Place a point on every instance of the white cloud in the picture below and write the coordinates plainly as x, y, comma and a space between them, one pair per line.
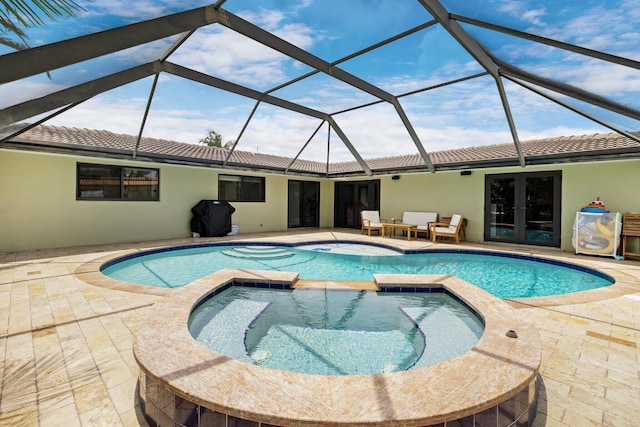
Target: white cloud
534, 16
438, 139
282, 134
268, 19
612, 81
297, 34
604, 78
520, 10
612, 30
228, 55
136, 10
14, 93
122, 116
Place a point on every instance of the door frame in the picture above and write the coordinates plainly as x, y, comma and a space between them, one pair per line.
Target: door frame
520, 207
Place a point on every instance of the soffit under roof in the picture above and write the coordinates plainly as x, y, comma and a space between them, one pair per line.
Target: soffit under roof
332, 81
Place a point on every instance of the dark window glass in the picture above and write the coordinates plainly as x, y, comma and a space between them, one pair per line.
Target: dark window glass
104, 182
237, 188
140, 184
229, 187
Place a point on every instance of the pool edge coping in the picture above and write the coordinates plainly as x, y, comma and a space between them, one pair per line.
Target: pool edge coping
416, 396
90, 273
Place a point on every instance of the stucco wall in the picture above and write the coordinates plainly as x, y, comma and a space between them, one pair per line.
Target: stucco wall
448, 192
38, 207
443, 192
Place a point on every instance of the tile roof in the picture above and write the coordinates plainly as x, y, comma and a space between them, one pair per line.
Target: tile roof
548, 150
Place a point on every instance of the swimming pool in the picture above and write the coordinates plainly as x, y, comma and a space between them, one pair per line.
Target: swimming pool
503, 275
335, 332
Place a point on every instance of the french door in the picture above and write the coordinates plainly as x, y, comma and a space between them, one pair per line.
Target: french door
303, 204
523, 208
351, 197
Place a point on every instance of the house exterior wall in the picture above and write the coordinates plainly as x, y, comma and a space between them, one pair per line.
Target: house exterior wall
449, 192
39, 210
443, 192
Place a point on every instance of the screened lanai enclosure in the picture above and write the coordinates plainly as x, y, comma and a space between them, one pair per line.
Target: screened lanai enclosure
330, 80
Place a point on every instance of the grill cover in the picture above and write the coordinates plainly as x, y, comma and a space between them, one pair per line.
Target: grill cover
212, 218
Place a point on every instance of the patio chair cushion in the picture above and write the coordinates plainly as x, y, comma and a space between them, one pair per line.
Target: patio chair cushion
372, 216
370, 220
420, 219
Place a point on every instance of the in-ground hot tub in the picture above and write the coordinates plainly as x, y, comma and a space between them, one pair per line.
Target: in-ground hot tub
335, 332
184, 383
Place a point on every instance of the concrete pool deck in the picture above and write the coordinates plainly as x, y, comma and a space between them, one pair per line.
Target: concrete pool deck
67, 344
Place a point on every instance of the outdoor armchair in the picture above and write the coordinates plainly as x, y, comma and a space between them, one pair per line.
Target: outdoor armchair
452, 230
370, 221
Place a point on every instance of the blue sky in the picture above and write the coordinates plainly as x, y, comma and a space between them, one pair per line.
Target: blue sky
461, 115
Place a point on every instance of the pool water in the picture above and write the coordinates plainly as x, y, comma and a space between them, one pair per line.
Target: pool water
348, 248
499, 274
335, 332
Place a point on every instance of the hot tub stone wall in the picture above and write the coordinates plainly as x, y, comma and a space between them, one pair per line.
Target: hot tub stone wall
162, 408
274, 397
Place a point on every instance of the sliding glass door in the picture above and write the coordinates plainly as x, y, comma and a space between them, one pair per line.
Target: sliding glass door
523, 208
304, 204
351, 197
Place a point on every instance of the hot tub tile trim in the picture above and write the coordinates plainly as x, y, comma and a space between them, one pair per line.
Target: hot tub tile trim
404, 388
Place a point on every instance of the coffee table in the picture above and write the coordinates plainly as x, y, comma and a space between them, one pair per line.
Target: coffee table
392, 227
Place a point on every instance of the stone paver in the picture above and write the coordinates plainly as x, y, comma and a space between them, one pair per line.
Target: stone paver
66, 359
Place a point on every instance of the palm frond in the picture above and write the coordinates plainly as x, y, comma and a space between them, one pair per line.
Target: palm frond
15, 14
13, 44
33, 13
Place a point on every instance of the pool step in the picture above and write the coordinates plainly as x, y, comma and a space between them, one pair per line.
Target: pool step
216, 333
259, 252
260, 249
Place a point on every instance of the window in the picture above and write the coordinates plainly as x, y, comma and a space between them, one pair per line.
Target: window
104, 182
237, 188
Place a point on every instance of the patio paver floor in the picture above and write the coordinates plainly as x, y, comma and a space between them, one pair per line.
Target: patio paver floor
66, 357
